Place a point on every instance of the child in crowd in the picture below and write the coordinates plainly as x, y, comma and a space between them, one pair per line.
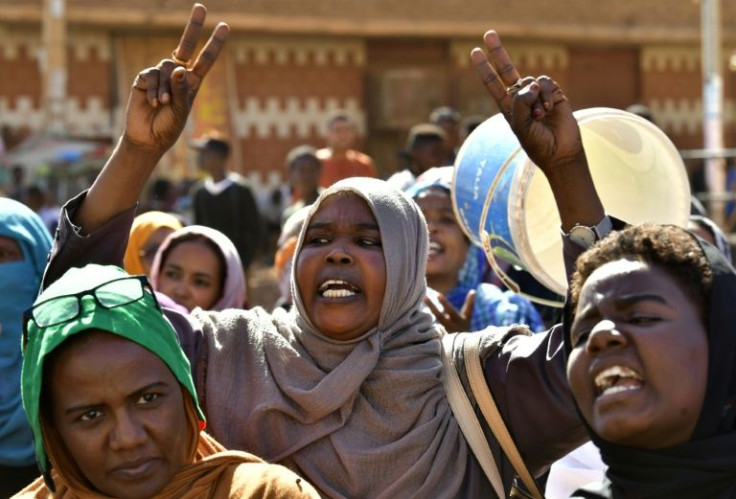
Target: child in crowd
339, 159
425, 148
304, 169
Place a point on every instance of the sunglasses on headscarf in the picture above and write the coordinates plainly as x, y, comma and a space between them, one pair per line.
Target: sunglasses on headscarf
109, 295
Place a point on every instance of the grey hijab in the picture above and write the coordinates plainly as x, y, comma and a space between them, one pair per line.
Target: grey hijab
364, 418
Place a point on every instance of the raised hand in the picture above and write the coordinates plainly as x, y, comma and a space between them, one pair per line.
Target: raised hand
162, 96
541, 117
453, 320
536, 108
158, 107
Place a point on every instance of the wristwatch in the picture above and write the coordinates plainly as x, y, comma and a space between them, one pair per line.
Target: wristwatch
585, 236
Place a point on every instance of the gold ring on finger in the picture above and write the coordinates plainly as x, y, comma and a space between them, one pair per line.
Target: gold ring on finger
174, 58
515, 87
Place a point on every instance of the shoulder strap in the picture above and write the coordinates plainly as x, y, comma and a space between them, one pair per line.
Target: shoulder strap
490, 411
466, 418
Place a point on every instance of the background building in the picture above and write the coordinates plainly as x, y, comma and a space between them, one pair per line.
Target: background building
288, 63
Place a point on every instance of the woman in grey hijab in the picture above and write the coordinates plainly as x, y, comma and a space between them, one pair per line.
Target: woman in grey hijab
346, 389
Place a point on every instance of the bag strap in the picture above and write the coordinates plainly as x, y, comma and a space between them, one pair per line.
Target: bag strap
466, 418
479, 387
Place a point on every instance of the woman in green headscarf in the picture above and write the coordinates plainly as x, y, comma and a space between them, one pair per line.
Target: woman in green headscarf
111, 402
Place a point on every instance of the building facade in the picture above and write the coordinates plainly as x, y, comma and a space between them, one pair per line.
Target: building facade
289, 63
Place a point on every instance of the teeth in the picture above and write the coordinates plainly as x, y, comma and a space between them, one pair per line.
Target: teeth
617, 389
337, 288
337, 293
607, 378
333, 282
435, 248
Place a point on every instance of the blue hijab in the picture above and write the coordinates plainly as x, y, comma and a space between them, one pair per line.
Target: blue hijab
19, 284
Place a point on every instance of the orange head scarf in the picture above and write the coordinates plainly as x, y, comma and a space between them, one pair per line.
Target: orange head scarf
143, 227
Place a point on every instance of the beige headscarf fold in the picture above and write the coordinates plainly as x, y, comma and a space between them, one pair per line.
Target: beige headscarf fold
214, 473
363, 418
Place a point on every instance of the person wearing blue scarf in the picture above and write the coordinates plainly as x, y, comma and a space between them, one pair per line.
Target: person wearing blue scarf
24, 245
459, 267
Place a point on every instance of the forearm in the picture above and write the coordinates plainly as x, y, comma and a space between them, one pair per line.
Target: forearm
72, 248
527, 379
575, 194
118, 186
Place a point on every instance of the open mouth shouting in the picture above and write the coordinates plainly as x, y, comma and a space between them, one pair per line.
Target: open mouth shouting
338, 288
617, 379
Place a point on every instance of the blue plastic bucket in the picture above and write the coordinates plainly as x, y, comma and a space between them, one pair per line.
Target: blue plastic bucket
504, 203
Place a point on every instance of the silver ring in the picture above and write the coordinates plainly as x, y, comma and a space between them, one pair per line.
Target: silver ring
515, 87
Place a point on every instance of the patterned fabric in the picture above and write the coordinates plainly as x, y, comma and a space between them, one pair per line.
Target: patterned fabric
493, 307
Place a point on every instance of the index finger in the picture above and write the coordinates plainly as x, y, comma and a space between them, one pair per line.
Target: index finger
450, 311
432, 307
192, 31
495, 70
500, 60
211, 50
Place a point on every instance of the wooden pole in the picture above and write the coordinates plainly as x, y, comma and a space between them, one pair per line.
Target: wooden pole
53, 66
715, 167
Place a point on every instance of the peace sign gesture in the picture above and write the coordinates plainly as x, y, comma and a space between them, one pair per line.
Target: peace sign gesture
541, 117
162, 96
536, 108
158, 107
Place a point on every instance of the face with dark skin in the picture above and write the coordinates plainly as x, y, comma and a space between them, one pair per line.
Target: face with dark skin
191, 275
305, 172
427, 154
119, 411
639, 363
452, 129
213, 162
341, 135
448, 246
341, 270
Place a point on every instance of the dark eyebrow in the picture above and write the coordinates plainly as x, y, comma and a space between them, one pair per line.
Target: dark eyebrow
628, 300
621, 302
327, 225
204, 274
86, 407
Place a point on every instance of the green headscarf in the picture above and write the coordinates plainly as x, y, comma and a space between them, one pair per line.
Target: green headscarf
140, 321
